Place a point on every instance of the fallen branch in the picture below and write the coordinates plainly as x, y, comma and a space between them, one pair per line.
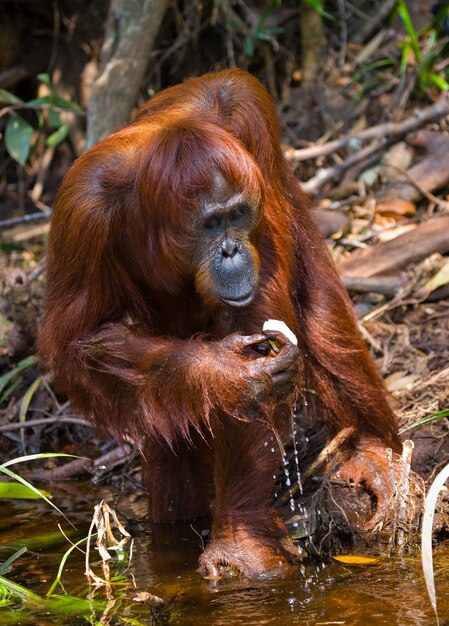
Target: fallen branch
111, 459
43, 421
314, 184
389, 256
386, 285
389, 129
30, 218
429, 174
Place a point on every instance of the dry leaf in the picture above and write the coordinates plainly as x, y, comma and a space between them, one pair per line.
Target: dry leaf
393, 378
395, 207
388, 235
441, 278
383, 221
350, 559
359, 125
400, 156
402, 383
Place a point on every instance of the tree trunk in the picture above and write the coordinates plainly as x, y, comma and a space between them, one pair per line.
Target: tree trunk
131, 30
312, 43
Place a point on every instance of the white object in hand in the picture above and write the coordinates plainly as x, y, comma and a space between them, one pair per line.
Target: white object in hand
281, 327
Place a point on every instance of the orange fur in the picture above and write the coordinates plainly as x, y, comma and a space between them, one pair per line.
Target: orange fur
135, 348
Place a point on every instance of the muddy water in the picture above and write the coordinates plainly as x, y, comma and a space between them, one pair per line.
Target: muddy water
164, 561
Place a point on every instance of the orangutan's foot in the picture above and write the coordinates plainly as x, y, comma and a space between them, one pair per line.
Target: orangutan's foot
237, 552
369, 469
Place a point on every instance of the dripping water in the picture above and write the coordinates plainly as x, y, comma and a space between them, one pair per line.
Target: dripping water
295, 446
286, 463
285, 466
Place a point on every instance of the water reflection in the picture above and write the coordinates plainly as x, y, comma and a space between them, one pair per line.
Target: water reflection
165, 559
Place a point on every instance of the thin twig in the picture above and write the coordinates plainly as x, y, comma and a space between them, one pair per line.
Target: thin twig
111, 459
25, 219
43, 421
367, 28
322, 458
314, 184
442, 204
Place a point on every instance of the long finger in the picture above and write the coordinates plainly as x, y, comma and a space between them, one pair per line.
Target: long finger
237, 341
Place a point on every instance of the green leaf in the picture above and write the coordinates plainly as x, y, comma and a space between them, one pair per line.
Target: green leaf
37, 542
23, 365
71, 606
262, 35
25, 403
36, 103
18, 135
55, 101
6, 97
316, 4
58, 136
62, 103
17, 491
29, 486
249, 46
30, 457
319, 8
54, 118
44, 78
439, 82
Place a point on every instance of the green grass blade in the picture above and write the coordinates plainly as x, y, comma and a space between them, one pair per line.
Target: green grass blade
15, 476
28, 396
426, 420
7, 565
20, 367
36, 457
439, 82
319, 8
21, 592
18, 491
411, 32
25, 403
62, 565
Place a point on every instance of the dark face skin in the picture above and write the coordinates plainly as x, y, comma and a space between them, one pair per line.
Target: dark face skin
224, 254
